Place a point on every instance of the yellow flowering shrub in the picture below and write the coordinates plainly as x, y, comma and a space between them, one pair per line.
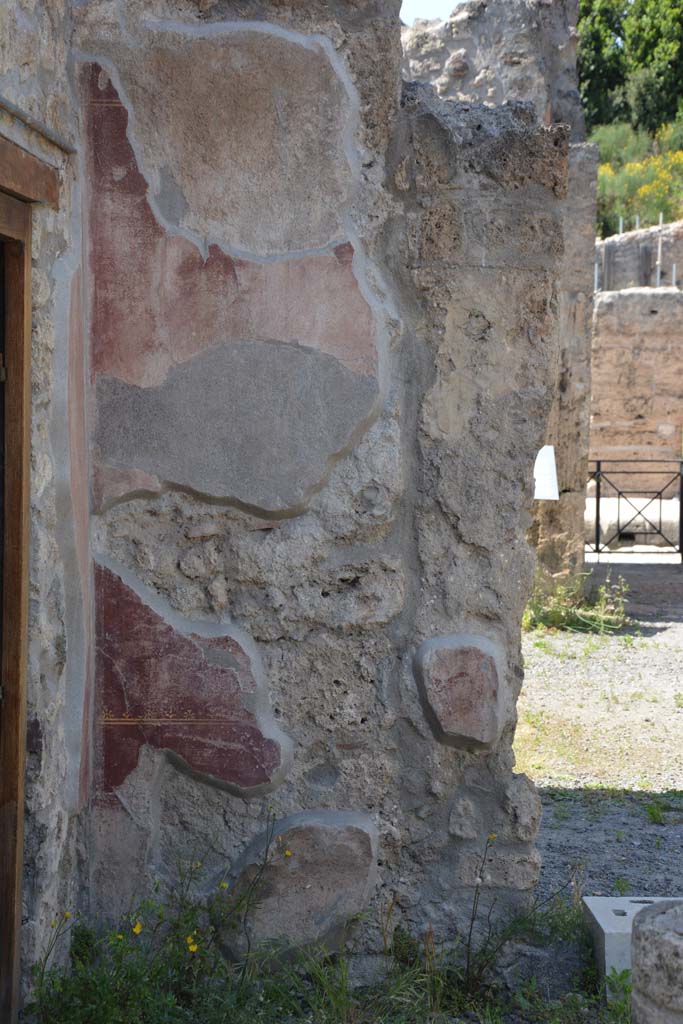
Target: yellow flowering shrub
641, 188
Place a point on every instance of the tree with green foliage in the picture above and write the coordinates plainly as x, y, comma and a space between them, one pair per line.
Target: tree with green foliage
631, 61
602, 64
653, 47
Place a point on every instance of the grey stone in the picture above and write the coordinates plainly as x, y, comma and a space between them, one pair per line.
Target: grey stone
657, 959
315, 872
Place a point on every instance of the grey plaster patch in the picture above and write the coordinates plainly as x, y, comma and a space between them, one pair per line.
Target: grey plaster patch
253, 422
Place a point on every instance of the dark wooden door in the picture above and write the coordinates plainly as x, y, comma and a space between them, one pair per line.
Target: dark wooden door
15, 339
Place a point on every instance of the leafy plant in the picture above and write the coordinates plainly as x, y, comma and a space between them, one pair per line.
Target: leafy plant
569, 604
162, 964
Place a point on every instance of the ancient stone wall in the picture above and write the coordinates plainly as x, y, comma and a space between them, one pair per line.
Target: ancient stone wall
637, 411
557, 533
493, 51
630, 260
317, 323
33, 76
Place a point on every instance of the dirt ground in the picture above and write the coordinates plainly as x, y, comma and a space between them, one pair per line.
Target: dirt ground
601, 733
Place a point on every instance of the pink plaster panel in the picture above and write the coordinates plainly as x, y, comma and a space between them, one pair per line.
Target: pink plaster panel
157, 302
186, 694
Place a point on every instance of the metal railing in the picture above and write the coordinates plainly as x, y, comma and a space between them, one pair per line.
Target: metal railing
668, 486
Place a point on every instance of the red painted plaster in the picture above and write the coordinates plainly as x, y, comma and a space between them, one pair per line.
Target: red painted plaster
185, 694
157, 302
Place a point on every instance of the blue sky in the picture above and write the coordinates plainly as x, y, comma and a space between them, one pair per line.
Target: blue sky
426, 9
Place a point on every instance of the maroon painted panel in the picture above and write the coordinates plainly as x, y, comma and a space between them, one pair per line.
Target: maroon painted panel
186, 694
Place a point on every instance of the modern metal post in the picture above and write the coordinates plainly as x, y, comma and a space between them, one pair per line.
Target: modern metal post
598, 466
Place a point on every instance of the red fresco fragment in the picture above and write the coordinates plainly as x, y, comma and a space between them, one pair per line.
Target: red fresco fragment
157, 302
462, 688
184, 694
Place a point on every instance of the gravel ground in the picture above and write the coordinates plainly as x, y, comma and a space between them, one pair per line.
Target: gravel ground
601, 733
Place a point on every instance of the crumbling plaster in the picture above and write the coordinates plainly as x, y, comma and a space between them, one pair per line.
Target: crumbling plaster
295, 590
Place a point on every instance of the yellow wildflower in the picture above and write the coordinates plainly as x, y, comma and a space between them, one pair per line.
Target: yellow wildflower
492, 836
53, 924
222, 885
137, 928
67, 915
193, 948
119, 937
288, 853
189, 940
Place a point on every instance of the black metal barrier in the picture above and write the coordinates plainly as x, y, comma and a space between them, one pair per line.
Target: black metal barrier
668, 486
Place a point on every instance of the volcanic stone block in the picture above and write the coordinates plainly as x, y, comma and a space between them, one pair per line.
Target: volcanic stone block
657, 956
460, 681
319, 872
196, 697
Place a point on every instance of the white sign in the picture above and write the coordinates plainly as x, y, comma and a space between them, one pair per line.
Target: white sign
545, 475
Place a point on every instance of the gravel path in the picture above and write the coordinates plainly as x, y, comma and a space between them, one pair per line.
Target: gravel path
601, 733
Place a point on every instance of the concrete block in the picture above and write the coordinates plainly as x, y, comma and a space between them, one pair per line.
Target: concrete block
610, 920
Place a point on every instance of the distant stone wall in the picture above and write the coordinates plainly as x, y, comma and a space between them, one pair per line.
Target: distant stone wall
494, 51
637, 402
630, 260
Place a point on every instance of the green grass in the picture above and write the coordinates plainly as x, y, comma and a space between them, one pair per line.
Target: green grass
163, 964
573, 604
655, 812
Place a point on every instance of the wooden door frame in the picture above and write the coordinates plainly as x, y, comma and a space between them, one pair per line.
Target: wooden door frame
23, 180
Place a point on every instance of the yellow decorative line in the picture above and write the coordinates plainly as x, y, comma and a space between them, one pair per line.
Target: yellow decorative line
171, 721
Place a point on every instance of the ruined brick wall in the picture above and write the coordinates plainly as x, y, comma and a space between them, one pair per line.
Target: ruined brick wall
630, 260
637, 376
494, 51
318, 326
34, 39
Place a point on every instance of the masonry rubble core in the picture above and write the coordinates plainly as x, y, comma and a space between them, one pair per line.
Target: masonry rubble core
526, 50
295, 350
